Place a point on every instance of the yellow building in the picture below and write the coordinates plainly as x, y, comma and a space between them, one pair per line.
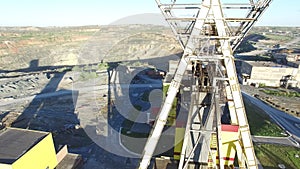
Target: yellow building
26, 149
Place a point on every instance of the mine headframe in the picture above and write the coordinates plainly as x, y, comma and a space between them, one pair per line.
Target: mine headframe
209, 31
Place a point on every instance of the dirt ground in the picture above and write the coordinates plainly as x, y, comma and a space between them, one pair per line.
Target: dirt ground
286, 104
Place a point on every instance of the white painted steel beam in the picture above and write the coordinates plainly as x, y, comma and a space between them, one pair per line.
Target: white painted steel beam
197, 34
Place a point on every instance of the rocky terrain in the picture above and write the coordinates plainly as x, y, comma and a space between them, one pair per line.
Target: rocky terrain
78, 45
29, 56
56, 79
289, 105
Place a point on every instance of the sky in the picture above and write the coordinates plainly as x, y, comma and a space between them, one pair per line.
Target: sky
103, 12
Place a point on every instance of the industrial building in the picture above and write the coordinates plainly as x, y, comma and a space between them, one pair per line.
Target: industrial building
26, 149
29, 149
268, 73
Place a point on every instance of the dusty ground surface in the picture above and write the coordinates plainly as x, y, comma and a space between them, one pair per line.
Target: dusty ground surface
72, 110
47, 82
34, 47
286, 104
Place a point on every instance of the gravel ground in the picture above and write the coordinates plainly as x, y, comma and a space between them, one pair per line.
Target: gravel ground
286, 104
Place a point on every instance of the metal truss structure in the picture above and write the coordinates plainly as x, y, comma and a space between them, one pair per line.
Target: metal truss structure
209, 31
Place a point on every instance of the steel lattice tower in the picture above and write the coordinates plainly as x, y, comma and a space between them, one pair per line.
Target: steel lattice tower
209, 31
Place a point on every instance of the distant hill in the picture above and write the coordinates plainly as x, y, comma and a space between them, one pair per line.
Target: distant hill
143, 19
